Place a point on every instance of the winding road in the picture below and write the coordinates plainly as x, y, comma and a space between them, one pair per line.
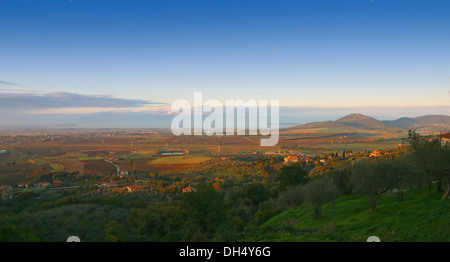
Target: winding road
118, 169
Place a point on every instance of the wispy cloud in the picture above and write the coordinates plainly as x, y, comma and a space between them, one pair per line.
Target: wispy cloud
10, 87
35, 101
5, 83
10, 90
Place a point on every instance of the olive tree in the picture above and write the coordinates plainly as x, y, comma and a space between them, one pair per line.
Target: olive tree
319, 191
375, 179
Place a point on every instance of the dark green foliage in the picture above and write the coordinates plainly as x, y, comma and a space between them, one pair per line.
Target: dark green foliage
291, 197
9, 233
27, 195
158, 222
292, 175
205, 207
256, 192
266, 210
341, 177
115, 231
87, 221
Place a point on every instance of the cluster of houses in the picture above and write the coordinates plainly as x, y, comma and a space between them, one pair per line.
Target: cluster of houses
135, 188
375, 153
131, 188
291, 159
294, 159
41, 185
279, 153
109, 184
7, 194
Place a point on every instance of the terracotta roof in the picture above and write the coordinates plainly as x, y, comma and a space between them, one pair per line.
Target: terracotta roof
187, 189
291, 158
447, 135
135, 188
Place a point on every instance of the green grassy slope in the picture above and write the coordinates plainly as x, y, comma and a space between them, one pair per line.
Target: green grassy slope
420, 217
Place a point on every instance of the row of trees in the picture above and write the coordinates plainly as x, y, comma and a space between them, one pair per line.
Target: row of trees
431, 158
422, 162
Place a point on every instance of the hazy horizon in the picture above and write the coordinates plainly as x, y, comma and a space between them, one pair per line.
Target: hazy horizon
111, 119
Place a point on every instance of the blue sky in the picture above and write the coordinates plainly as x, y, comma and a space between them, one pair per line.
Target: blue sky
312, 53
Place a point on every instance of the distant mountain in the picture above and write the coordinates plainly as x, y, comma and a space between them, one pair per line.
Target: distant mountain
421, 121
348, 121
321, 124
367, 122
361, 121
432, 120
404, 122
